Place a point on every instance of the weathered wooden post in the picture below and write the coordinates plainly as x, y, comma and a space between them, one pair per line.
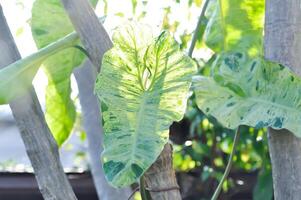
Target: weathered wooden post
283, 45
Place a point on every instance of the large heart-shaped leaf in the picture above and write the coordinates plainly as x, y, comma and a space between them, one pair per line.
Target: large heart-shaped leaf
253, 92
17, 77
50, 22
235, 24
143, 86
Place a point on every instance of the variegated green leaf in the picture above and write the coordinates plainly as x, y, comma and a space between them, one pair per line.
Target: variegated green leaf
251, 91
235, 25
143, 86
50, 22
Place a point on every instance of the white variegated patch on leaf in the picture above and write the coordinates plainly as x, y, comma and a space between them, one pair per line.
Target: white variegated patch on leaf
143, 86
250, 91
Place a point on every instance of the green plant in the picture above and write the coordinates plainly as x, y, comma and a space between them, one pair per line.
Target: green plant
144, 86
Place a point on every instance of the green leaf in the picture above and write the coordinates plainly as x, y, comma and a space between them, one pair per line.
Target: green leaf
235, 24
17, 77
143, 86
264, 187
50, 22
251, 91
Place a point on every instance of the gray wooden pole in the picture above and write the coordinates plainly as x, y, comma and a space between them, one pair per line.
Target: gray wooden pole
85, 78
91, 32
40, 145
283, 45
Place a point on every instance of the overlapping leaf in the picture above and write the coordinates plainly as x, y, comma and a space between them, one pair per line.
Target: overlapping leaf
50, 22
143, 87
253, 92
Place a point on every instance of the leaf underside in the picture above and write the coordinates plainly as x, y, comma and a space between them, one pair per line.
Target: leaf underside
143, 86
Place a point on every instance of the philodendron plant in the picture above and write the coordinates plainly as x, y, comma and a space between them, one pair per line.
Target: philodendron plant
143, 87
145, 81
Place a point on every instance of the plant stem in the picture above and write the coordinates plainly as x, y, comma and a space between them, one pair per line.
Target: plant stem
142, 189
197, 29
229, 165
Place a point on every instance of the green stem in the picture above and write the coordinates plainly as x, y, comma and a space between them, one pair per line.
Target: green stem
63, 43
228, 168
198, 28
35, 59
142, 189
24, 70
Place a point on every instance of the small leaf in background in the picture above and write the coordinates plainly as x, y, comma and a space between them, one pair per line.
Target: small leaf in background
50, 22
143, 86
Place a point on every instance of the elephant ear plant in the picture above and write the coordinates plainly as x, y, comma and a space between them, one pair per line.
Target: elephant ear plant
145, 82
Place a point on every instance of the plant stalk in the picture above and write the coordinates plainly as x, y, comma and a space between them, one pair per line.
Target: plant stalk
198, 27
142, 189
229, 165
